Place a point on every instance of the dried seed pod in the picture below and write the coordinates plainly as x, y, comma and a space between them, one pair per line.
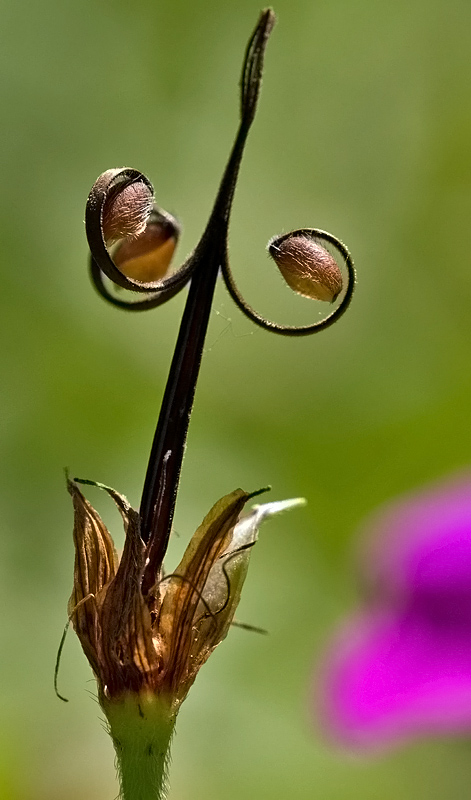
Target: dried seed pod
307, 267
144, 238
126, 211
147, 256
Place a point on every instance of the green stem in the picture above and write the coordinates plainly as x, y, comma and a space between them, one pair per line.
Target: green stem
141, 727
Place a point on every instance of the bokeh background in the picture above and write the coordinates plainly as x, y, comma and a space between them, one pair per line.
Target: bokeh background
364, 129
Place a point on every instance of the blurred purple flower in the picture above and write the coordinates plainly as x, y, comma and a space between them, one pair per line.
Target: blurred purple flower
402, 666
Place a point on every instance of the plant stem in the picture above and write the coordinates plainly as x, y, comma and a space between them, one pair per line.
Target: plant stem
141, 727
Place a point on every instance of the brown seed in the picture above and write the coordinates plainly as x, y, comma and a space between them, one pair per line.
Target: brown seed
307, 267
147, 257
126, 211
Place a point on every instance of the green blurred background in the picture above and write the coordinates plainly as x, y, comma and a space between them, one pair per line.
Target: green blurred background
364, 129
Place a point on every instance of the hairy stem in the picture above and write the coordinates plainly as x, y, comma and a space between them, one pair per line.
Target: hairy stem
141, 728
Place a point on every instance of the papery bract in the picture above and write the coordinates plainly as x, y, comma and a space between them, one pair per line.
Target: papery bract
155, 643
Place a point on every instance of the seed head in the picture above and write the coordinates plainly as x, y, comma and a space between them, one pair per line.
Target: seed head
126, 211
307, 267
147, 256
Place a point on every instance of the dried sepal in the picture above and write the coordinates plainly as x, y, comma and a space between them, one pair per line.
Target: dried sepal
307, 267
204, 592
114, 624
128, 653
96, 563
182, 598
156, 642
223, 587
